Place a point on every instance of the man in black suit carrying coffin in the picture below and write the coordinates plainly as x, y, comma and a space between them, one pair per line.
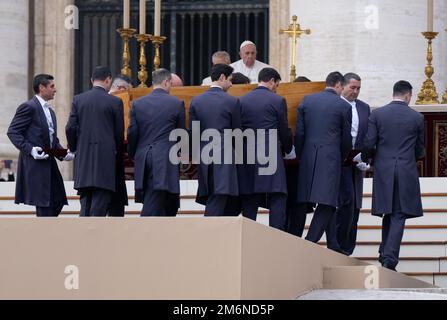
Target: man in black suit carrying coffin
33, 129
323, 140
95, 131
395, 140
262, 109
152, 119
216, 111
342, 231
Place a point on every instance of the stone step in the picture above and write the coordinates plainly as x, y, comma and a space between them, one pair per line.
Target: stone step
413, 264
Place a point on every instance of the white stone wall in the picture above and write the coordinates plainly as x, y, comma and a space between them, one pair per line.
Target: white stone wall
13, 66
345, 38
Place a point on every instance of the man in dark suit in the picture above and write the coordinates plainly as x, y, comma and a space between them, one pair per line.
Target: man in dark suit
263, 109
395, 140
119, 198
95, 130
215, 111
341, 234
152, 119
323, 140
33, 128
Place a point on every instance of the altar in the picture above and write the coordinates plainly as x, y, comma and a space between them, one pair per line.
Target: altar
435, 162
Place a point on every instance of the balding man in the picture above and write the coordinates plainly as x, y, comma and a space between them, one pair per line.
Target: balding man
219, 57
176, 80
248, 65
120, 83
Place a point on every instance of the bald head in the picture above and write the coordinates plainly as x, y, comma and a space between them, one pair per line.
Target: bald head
248, 53
176, 81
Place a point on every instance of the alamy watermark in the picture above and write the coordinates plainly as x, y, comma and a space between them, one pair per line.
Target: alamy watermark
72, 277
238, 147
71, 17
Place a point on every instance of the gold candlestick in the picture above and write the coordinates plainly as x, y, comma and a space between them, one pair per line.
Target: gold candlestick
157, 41
142, 74
444, 97
126, 34
428, 94
294, 32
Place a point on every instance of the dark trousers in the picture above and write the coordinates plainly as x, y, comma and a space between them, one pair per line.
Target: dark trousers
219, 205
157, 203
160, 204
49, 211
95, 202
277, 206
393, 226
321, 219
117, 207
296, 219
341, 233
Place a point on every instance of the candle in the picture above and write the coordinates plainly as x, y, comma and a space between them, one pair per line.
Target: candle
126, 14
430, 16
157, 17
142, 16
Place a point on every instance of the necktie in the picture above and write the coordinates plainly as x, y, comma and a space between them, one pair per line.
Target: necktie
49, 122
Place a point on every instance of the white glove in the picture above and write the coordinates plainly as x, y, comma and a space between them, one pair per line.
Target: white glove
291, 155
70, 156
362, 166
358, 158
38, 156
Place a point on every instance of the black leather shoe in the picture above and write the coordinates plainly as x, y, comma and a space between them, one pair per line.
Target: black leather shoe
385, 265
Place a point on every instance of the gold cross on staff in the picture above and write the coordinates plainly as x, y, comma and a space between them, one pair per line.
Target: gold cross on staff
294, 32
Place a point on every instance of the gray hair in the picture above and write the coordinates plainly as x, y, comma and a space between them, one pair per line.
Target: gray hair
121, 81
352, 76
160, 75
222, 55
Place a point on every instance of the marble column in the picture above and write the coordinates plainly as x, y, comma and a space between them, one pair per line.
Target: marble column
279, 45
14, 19
54, 54
380, 40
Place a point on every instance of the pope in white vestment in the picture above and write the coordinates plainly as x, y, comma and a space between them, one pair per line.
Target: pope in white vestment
248, 65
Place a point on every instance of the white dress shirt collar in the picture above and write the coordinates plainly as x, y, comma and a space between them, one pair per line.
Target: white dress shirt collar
42, 102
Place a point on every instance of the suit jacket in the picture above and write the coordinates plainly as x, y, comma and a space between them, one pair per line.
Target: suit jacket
264, 109
395, 140
215, 109
323, 140
35, 178
152, 119
95, 131
352, 182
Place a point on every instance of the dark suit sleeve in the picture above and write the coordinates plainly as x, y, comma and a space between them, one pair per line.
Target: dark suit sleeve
71, 129
284, 133
299, 133
119, 127
420, 142
132, 134
18, 126
370, 139
346, 133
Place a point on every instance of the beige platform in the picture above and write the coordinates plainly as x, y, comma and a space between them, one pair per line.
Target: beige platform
165, 258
